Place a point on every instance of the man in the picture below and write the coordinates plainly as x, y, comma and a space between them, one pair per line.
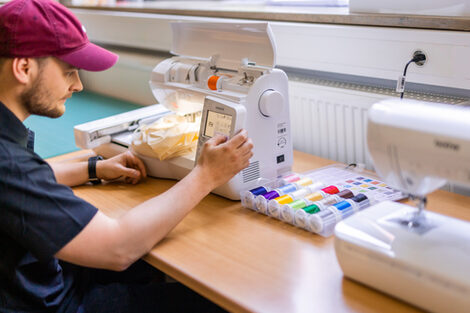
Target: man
49, 239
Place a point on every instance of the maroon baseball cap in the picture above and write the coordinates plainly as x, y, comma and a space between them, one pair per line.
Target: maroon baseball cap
42, 28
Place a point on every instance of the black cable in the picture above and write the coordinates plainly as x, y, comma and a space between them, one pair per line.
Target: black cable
417, 58
404, 76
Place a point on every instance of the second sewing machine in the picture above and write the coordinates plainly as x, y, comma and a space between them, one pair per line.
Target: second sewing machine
222, 78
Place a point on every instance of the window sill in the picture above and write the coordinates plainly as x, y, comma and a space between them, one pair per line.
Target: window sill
322, 15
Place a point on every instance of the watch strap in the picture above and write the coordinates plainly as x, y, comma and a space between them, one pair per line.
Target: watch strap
92, 169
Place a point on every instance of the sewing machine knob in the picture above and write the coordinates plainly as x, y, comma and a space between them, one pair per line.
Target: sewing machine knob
271, 103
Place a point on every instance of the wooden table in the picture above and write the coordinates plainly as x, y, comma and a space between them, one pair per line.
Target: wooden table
247, 262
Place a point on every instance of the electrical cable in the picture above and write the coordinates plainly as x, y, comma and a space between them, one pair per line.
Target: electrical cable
419, 57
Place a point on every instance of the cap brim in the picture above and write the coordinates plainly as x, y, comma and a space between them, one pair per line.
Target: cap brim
90, 58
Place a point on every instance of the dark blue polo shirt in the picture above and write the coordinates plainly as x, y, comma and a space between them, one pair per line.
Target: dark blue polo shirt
38, 216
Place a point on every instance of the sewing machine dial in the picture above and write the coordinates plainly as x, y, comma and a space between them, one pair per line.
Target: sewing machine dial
271, 103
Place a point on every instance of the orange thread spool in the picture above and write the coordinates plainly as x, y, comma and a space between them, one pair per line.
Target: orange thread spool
212, 82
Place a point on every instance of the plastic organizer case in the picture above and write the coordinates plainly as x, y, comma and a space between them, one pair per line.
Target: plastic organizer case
317, 200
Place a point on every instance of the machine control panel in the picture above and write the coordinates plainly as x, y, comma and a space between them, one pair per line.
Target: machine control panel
219, 117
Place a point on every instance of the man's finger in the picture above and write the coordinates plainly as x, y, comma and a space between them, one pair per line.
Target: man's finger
217, 140
138, 164
246, 147
238, 139
130, 172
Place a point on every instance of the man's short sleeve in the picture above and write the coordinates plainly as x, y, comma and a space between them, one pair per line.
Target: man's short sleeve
41, 214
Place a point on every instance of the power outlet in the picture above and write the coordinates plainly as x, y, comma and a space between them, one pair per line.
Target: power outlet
422, 62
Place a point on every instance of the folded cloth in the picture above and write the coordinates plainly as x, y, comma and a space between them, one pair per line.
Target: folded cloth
166, 138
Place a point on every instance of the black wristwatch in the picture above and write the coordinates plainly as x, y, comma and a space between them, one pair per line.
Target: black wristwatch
92, 178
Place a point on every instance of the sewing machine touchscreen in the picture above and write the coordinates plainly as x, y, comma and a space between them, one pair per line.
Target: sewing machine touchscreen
217, 123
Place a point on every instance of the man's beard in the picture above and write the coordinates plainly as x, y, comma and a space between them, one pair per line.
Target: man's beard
37, 100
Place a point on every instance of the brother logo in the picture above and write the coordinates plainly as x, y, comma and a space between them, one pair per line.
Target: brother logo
446, 145
219, 108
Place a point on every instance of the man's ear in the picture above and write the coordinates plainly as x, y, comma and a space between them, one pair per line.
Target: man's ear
23, 69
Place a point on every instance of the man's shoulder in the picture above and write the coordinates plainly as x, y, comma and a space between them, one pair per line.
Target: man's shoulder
15, 157
8, 149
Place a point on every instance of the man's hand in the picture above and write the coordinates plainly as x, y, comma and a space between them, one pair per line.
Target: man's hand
220, 159
125, 165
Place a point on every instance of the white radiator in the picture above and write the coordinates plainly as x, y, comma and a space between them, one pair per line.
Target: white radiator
329, 118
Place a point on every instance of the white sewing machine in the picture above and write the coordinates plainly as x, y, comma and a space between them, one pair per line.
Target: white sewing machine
227, 71
418, 256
